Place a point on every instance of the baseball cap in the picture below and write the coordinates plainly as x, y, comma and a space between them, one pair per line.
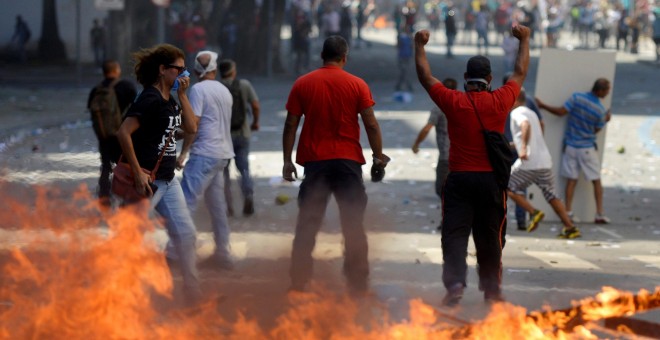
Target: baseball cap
478, 67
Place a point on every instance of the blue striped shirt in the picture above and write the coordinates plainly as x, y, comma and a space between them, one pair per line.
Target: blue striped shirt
586, 115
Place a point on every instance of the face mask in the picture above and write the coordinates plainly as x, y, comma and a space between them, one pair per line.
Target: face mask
185, 73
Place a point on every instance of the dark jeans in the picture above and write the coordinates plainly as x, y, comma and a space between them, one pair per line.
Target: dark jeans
472, 202
343, 178
110, 152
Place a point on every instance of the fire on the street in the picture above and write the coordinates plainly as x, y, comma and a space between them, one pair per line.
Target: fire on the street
66, 275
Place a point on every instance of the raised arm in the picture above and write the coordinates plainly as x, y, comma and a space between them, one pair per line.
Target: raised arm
522, 59
421, 63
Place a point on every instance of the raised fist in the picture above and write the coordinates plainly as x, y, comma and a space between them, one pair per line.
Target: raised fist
520, 32
422, 37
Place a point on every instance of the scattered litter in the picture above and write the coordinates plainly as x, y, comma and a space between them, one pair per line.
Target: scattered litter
518, 270
621, 149
594, 244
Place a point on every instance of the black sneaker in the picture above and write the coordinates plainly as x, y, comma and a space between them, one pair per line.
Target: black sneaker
454, 295
214, 264
248, 207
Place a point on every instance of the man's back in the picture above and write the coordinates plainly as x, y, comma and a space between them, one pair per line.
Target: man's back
537, 151
586, 116
212, 102
330, 99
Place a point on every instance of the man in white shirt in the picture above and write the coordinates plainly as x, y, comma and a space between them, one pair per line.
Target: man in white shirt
210, 151
534, 166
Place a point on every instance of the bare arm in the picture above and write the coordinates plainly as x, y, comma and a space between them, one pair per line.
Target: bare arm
421, 136
555, 110
256, 110
126, 129
373, 133
288, 140
522, 59
526, 132
421, 62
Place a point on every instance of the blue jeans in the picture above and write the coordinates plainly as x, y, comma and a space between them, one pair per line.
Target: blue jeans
204, 176
242, 150
170, 203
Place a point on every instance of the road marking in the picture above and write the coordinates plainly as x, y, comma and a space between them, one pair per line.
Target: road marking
608, 232
650, 260
561, 260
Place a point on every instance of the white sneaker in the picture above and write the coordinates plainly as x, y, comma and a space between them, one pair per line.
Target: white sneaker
574, 219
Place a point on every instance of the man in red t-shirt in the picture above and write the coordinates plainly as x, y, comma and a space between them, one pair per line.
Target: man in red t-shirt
472, 201
329, 150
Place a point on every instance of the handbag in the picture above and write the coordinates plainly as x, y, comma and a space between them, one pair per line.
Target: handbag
499, 152
123, 183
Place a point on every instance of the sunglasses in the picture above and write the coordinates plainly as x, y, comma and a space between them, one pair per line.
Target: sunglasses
178, 68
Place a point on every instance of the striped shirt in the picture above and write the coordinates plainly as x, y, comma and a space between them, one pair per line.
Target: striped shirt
586, 115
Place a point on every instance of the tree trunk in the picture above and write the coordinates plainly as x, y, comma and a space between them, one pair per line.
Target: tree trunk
51, 47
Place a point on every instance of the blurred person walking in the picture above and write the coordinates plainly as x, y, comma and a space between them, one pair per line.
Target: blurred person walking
329, 149
107, 103
210, 151
473, 200
245, 101
19, 39
586, 117
438, 120
146, 133
97, 40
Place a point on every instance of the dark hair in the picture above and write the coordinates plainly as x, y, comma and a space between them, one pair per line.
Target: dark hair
225, 67
600, 84
334, 48
109, 66
478, 67
450, 83
148, 61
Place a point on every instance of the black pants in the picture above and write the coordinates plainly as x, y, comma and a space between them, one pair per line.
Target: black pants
110, 152
472, 202
343, 178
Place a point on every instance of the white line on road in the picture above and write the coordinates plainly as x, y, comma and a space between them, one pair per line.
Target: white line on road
650, 260
608, 232
561, 260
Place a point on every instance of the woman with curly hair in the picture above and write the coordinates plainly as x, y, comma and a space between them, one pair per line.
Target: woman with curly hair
147, 132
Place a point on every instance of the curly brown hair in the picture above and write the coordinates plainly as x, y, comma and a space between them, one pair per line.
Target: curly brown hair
148, 61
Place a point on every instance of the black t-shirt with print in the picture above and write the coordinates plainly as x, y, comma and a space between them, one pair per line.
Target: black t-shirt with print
157, 117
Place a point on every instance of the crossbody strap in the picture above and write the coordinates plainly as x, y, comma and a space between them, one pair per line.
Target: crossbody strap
476, 112
152, 173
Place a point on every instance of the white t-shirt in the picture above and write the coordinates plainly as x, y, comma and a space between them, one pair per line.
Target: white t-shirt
212, 101
537, 151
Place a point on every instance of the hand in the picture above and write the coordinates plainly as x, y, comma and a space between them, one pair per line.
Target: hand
184, 83
540, 103
180, 161
254, 126
142, 184
288, 170
520, 32
422, 37
608, 116
523, 153
378, 168
415, 148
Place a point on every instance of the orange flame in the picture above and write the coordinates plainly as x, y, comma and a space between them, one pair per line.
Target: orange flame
75, 272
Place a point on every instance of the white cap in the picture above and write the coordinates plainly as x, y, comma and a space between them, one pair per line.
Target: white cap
212, 66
